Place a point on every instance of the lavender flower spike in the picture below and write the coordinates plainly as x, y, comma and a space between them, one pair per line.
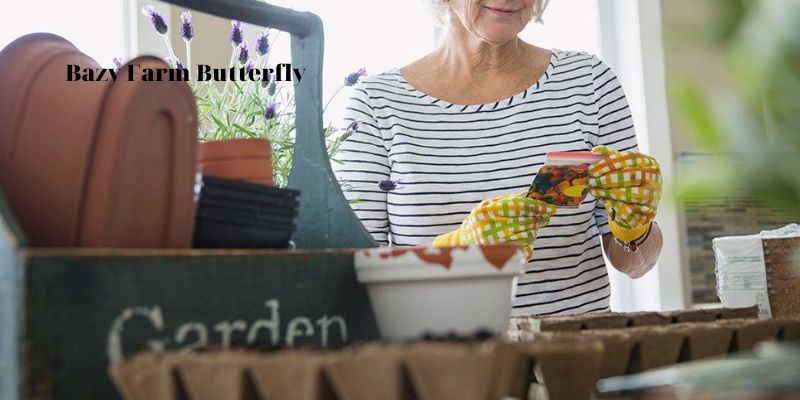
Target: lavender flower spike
351, 129
266, 81
272, 88
250, 65
187, 29
353, 126
236, 33
354, 77
244, 53
118, 62
270, 110
155, 17
262, 44
174, 61
389, 185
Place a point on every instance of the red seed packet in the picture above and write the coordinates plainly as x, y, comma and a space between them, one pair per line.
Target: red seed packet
563, 180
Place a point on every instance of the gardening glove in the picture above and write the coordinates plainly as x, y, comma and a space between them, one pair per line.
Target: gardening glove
510, 219
629, 186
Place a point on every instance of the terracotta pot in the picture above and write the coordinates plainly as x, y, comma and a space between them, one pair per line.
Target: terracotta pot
233, 148
243, 159
48, 130
94, 163
237, 168
19, 61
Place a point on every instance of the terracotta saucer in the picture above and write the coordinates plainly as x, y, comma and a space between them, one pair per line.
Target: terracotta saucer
140, 189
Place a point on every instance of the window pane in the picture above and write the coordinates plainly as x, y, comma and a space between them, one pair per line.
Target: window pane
94, 26
568, 25
375, 34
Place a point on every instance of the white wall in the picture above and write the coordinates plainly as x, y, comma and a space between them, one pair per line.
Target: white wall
96, 27
568, 25
375, 34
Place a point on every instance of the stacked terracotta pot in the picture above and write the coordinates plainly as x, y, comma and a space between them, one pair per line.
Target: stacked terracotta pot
102, 164
241, 159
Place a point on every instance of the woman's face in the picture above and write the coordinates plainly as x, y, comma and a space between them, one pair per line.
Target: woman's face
495, 21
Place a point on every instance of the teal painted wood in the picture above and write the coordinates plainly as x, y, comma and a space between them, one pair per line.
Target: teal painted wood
11, 304
325, 219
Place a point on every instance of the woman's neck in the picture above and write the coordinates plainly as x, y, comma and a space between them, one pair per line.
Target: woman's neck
462, 53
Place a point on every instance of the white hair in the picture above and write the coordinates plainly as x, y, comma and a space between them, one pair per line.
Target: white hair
441, 10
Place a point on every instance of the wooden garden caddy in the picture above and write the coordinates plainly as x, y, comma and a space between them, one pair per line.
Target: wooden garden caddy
67, 313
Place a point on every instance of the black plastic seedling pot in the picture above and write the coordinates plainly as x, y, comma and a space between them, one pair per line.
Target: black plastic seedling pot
238, 214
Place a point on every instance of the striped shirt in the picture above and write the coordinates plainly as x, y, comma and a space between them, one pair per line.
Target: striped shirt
445, 158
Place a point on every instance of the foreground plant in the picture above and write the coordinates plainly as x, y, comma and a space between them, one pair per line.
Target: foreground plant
754, 126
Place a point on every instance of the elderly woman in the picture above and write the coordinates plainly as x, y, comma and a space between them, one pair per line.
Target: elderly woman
441, 149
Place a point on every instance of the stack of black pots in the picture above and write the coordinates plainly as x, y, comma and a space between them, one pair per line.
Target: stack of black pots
238, 214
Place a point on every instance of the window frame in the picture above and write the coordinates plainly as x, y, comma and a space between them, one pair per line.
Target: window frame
631, 42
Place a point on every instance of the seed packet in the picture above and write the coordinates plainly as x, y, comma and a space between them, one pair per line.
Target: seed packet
563, 180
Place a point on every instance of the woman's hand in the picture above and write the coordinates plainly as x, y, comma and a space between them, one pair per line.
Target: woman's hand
512, 219
629, 186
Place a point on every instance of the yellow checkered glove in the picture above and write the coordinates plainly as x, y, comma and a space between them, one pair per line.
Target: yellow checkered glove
510, 219
629, 186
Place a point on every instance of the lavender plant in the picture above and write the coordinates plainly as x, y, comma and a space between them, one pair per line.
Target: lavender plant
248, 109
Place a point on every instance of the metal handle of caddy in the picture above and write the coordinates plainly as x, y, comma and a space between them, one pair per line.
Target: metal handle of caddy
325, 219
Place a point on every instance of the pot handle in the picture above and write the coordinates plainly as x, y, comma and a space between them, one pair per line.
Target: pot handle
325, 219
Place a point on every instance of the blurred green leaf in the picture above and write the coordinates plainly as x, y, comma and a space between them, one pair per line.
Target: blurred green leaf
697, 113
757, 121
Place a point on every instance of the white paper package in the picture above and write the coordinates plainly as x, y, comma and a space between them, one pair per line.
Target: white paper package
741, 270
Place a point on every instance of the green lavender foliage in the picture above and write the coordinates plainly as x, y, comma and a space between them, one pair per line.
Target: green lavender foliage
238, 109
757, 121
239, 113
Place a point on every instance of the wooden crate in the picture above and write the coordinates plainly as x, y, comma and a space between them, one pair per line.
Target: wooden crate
67, 314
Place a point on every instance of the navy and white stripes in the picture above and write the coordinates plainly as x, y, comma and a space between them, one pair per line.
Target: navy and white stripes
446, 158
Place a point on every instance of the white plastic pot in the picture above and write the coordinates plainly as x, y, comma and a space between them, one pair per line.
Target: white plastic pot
440, 290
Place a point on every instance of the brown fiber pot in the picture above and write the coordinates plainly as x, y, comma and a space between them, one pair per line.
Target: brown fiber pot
243, 159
